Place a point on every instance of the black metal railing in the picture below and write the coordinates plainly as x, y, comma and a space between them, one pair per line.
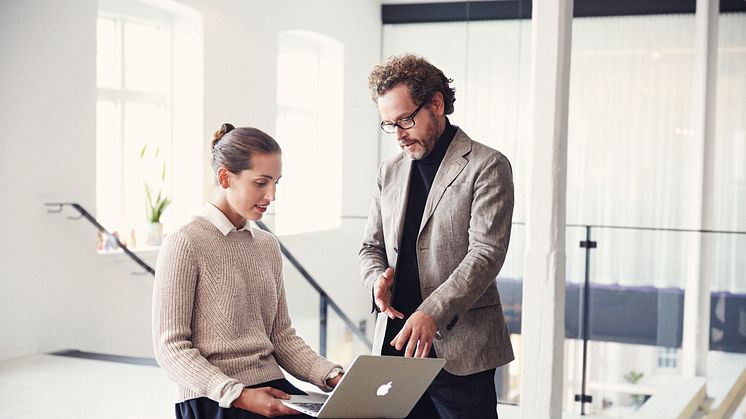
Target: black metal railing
325, 301
57, 207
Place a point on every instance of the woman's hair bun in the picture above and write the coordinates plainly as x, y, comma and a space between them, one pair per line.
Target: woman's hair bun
217, 135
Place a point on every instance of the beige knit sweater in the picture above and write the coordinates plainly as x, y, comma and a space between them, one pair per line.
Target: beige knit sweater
220, 317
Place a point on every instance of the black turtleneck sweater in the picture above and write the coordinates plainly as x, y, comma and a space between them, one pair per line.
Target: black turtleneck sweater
407, 295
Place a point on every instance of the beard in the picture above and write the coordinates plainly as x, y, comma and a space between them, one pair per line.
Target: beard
426, 143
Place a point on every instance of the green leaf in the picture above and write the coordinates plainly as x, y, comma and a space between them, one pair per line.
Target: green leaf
148, 195
156, 200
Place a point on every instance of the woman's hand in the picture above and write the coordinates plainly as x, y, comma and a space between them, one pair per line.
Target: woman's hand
332, 382
264, 401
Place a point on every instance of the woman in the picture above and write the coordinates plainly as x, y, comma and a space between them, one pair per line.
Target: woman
221, 327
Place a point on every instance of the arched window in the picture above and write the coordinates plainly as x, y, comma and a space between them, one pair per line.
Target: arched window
310, 118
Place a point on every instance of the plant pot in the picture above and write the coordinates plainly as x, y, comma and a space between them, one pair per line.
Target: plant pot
155, 234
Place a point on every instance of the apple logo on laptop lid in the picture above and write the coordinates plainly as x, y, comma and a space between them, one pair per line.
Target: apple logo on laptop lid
383, 389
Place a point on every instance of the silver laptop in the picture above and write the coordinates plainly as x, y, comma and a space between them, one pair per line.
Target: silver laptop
373, 387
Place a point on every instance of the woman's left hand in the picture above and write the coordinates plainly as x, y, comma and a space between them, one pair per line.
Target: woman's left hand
332, 382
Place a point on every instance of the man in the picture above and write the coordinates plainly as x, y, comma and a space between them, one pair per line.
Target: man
435, 240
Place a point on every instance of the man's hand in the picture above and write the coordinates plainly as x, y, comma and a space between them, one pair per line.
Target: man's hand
419, 328
264, 401
382, 294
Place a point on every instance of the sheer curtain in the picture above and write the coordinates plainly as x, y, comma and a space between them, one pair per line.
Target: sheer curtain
631, 148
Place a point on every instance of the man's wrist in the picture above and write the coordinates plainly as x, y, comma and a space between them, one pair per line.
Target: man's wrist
438, 335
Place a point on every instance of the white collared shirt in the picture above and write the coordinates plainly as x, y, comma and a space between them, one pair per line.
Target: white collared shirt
221, 222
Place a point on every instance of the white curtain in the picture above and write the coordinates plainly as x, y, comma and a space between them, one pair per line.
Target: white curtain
631, 149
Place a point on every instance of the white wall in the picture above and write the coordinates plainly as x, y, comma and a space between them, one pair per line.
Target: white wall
240, 72
47, 125
55, 291
241, 41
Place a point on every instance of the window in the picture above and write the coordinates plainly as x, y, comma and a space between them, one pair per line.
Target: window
667, 358
310, 118
138, 53
628, 95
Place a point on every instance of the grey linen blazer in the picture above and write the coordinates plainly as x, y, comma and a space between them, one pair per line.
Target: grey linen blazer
461, 247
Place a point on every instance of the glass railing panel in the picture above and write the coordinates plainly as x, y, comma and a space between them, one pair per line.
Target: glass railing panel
637, 282
509, 283
635, 310
303, 305
343, 346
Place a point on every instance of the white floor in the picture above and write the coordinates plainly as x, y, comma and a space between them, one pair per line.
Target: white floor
46, 386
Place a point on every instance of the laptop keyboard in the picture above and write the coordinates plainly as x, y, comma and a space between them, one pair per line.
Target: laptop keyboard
314, 407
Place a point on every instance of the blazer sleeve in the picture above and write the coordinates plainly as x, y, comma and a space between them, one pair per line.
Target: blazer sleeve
372, 254
489, 234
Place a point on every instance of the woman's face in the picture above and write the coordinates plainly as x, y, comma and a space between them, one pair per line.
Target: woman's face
250, 192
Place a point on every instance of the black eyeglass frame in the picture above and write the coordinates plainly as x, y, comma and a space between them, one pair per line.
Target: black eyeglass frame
410, 118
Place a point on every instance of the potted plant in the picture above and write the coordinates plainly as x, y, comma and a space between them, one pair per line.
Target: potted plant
637, 399
155, 203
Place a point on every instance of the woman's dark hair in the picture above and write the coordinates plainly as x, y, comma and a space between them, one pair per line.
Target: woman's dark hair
421, 78
233, 147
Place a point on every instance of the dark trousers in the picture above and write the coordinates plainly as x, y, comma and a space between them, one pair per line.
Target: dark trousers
204, 408
458, 397
450, 396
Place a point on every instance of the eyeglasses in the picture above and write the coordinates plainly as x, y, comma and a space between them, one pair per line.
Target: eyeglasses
404, 123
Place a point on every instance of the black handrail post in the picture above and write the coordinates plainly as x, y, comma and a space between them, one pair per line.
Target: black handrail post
584, 398
323, 310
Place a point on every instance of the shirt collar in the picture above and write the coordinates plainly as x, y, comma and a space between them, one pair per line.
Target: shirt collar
221, 222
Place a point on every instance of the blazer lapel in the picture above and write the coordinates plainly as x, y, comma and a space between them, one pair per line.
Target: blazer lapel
401, 185
453, 163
